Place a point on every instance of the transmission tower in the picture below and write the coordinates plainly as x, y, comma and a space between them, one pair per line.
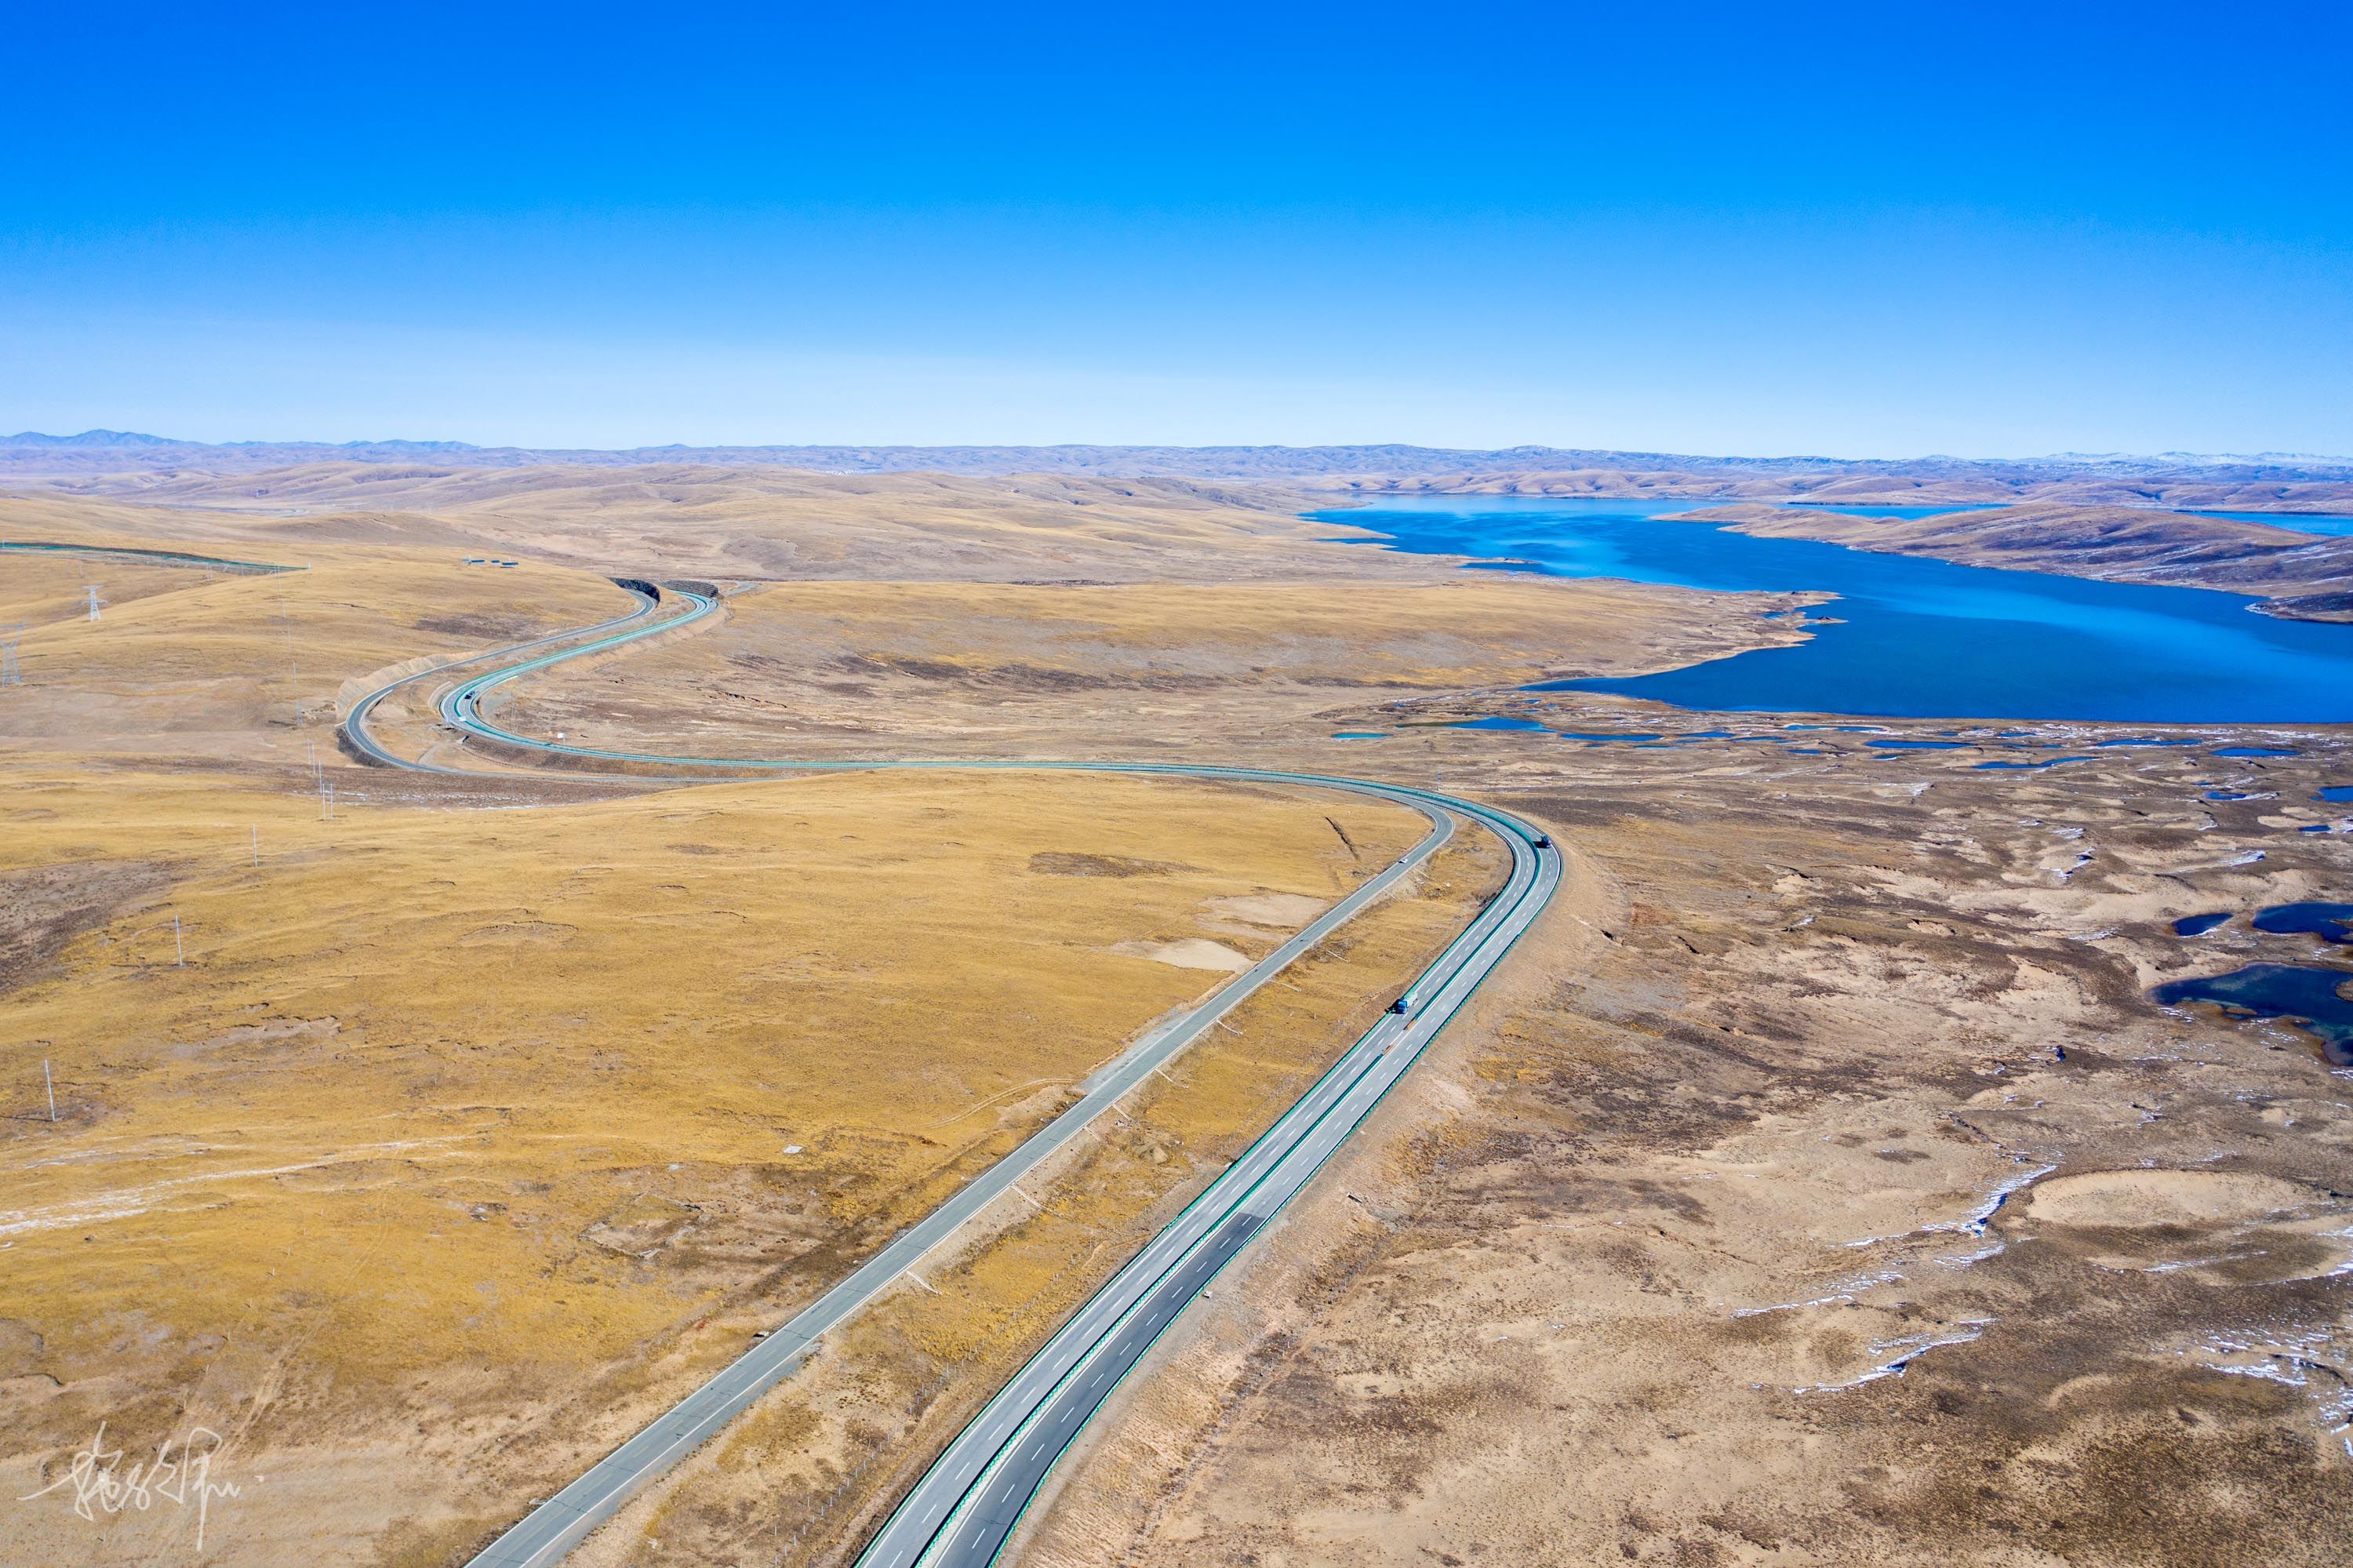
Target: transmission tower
91, 590
10, 675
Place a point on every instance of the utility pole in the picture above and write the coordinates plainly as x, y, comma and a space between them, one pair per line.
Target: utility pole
179, 948
51, 1084
320, 782
91, 590
256, 844
10, 675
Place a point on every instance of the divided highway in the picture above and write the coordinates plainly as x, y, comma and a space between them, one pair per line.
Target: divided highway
965, 1507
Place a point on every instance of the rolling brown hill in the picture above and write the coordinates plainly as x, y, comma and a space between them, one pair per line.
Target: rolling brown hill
2296, 575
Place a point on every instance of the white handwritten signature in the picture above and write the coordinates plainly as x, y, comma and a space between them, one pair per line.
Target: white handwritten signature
180, 1474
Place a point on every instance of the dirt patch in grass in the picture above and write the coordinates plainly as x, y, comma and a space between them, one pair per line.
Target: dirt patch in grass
42, 908
1063, 863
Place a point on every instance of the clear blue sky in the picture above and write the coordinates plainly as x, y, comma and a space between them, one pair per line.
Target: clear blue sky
1883, 229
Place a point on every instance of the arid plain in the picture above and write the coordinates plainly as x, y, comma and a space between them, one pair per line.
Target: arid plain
1817, 1183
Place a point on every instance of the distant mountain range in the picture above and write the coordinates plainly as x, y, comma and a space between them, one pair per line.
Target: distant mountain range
2275, 480
133, 440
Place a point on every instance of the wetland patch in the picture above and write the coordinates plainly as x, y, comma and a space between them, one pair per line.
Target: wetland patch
2308, 996
2329, 922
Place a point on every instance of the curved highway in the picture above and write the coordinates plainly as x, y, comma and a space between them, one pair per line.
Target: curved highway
965, 1507
136, 556
354, 725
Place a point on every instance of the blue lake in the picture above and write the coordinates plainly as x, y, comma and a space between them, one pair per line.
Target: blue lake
2301, 522
1915, 638
2313, 996
1494, 721
2329, 922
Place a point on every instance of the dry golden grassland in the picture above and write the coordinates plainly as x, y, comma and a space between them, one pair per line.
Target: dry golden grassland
223, 663
679, 519
857, 668
465, 1140
453, 1114
1466, 630
39, 590
806, 1476
462, 1141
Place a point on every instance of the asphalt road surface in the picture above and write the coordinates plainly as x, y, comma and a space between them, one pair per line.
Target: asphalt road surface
355, 723
131, 556
966, 1504
965, 1507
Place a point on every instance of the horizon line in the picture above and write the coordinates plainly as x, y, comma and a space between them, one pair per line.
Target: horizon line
102, 437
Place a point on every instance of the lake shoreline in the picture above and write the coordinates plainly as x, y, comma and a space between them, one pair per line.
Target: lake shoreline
1918, 636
